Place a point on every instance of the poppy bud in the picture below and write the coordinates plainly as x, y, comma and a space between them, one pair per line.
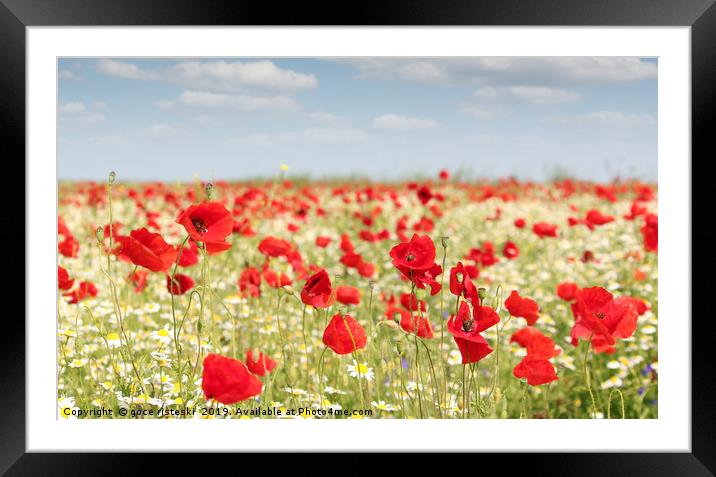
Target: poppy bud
389, 324
481, 292
100, 234
289, 290
444, 241
399, 349
208, 188
111, 178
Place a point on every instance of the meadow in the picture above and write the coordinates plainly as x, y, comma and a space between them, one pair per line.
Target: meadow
297, 298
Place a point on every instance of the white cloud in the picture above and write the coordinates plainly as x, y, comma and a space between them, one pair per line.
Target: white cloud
607, 118
334, 135
74, 107
527, 94
506, 70
622, 119
68, 75
77, 112
159, 130
242, 102
306, 136
394, 122
218, 76
481, 112
124, 70
238, 76
324, 117
266, 139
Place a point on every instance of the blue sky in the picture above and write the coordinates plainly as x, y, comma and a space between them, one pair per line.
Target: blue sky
386, 118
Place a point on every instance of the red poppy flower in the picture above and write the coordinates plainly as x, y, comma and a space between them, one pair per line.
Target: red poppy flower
521, 307
83, 291
424, 195
189, 254
250, 282
595, 218
567, 291
323, 241
351, 260
424, 328
147, 249
346, 244
64, 282
536, 370
317, 291
543, 229
348, 295
391, 311
466, 331
181, 284
69, 247
524, 336
139, 280
444, 175
274, 247
510, 250
207, 222
366, 269
261, 366
344, 334
62, 228
417, 254
457, 277
228, 380
650, 232
423, 278
635, 211
520, 223
538, 345
212, 248
604, 319
410, 302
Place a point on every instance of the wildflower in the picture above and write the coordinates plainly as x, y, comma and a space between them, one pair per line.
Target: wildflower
113, 340
344, 334
147, 249
64, 282
317, 291
209, 223
522, 307
275, 247
567, 291
228, 380
261, 366
180, 285
348, 295
536, 370
605, 319
543, 229
360, 371
650, 233
383, 406
162, 335
466, 331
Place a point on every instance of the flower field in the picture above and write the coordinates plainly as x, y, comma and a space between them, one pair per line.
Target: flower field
352, 299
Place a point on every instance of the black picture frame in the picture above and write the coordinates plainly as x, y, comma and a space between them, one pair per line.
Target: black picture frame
700, 15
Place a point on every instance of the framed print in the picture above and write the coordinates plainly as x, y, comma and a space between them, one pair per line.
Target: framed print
409, 230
